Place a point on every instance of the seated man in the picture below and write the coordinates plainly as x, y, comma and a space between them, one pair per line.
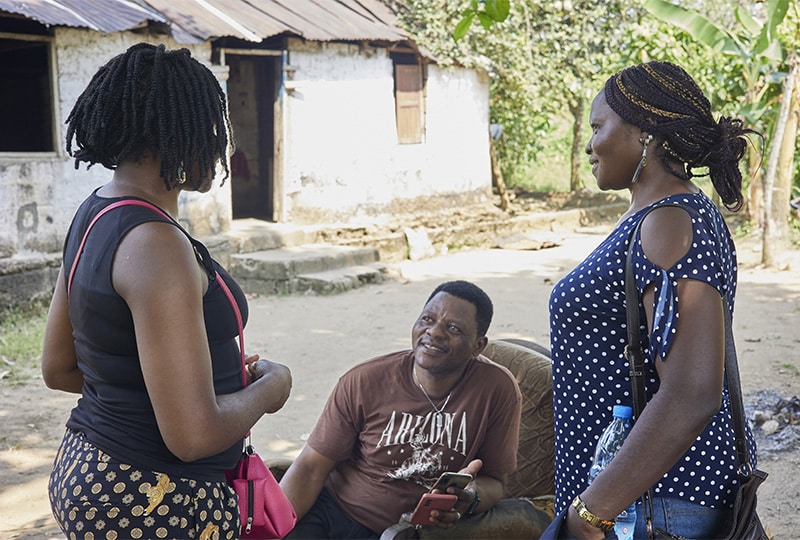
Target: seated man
393, 424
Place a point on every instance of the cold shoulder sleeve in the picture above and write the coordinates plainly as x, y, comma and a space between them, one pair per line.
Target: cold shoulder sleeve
704, 261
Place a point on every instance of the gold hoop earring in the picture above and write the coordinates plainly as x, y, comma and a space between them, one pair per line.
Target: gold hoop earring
181, 174
643, 161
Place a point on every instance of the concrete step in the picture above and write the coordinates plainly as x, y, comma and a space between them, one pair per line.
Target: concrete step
248, 235
322, 268
341, 279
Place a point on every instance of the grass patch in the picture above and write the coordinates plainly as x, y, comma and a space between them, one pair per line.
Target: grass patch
791, 368
21, 335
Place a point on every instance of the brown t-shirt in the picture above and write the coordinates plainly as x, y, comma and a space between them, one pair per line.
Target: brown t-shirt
389, 446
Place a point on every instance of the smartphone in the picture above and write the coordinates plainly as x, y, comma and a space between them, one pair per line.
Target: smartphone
431, 501
452, 479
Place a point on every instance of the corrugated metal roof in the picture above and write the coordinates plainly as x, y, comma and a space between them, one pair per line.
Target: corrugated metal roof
100, 15
194, 21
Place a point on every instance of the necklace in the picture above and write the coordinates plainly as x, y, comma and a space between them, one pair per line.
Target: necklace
438, 410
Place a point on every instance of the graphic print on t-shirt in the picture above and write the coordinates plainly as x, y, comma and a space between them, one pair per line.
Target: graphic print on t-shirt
424, 446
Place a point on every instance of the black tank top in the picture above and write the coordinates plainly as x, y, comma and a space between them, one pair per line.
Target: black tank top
114, 411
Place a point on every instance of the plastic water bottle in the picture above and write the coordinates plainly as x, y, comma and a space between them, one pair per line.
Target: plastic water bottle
607, 447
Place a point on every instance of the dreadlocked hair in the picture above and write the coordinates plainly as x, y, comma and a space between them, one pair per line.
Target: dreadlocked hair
664, 100
150, 100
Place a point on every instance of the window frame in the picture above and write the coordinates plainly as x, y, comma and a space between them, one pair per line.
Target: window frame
52, 73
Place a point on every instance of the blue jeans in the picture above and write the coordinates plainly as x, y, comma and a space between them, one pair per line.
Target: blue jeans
677, 517
682, 518
326, 521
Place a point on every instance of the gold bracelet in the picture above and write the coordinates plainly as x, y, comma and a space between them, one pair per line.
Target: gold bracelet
588, 517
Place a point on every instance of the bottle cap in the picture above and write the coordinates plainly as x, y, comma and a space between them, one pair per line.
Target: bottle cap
623, 411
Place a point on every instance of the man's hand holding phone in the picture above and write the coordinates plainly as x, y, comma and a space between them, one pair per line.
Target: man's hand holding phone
447, 480
430, 508
438, 506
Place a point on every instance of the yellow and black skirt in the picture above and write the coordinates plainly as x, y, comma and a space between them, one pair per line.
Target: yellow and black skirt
93, 496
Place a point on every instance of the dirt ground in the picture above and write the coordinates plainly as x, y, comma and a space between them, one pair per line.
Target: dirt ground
320, 337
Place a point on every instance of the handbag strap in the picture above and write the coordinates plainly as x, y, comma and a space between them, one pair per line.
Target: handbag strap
217, 276
635, 355
101, 213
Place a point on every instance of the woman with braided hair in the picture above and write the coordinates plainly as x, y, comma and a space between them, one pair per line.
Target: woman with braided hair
142, 326
653, 131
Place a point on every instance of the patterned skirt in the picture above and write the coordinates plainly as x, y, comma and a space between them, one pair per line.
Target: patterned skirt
94, 496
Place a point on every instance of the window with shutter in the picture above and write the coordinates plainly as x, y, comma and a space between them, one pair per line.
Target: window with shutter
409, 103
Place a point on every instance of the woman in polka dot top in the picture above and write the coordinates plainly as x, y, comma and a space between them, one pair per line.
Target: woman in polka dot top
652, 132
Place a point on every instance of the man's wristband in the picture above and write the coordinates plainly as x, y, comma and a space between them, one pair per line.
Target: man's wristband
588, 517
474, 504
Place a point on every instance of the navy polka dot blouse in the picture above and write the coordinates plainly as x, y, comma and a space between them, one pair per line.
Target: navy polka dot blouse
590, 373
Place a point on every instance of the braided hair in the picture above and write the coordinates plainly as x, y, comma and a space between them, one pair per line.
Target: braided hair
664, 100
150, 100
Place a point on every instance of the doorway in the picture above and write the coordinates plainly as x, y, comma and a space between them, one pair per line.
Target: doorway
253, 84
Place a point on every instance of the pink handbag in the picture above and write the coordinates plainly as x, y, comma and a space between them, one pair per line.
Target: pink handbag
264, 510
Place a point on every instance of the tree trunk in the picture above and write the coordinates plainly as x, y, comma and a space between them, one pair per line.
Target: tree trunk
577, 151
755, 199
755, 165
497, 177
778, 182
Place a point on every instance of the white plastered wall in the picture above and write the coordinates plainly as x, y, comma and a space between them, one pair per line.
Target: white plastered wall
41, 191
341, 155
